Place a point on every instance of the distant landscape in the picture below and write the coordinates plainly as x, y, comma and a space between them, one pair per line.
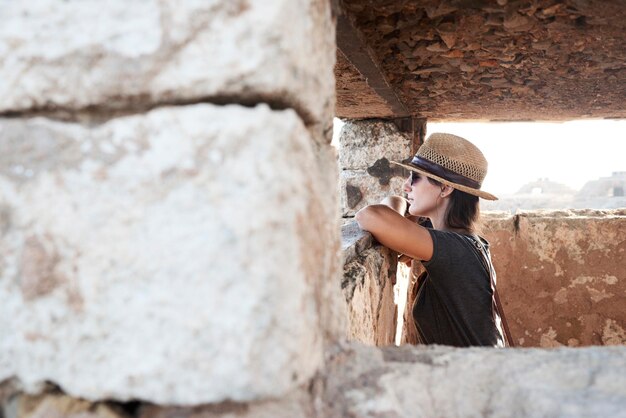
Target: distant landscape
601, 193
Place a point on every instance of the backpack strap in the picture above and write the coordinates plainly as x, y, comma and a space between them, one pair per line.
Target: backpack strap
498, 310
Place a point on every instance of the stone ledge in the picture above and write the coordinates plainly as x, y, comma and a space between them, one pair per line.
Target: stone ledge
443, 381
354, 241
405, 382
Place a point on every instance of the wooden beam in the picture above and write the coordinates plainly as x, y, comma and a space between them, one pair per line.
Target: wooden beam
351, 43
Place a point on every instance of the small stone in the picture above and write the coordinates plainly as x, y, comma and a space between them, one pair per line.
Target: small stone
455, 53
354, 195
517, 23
437, 47
468, 68
489, 63
62, 406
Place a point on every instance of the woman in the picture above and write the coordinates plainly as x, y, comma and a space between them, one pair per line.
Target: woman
455, 303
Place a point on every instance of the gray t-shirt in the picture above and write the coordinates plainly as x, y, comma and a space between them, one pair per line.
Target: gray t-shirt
454, 305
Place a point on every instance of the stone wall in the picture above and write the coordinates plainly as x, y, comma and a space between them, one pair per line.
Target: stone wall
369, 275
169, 238
168, 209
561, 276
365, 150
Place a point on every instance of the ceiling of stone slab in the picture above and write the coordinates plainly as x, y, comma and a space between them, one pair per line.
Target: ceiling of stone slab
482, 60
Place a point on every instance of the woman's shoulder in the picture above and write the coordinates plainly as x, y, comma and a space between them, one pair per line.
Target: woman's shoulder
449, 244
459, 236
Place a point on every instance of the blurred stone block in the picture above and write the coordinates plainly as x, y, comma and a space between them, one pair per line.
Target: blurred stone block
119, 54
57, 406
367, 382
188, 255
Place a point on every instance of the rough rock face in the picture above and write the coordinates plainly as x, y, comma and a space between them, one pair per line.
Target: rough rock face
166, 256
57, 406
561, 275
365, 151
300, 403
358, 99
442, 381
408, 382
144, 53
369, 273
510, 60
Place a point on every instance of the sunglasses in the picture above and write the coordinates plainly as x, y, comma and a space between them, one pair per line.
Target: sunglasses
414, 176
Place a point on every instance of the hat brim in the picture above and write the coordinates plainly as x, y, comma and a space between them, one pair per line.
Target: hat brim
466, 189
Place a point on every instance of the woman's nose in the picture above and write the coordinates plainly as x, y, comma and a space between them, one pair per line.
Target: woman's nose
407, 185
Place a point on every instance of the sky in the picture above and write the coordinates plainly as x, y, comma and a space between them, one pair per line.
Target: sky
570, 153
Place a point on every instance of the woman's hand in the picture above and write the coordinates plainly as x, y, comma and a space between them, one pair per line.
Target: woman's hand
397, 203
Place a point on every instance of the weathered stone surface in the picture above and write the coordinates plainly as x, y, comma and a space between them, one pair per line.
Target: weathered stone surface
368, 277
183, 256
363, 143
358, 189
506, 60
442, 381
358, 99
361, 381
561, 275
365, 151
296, 404
57, 406
141, 53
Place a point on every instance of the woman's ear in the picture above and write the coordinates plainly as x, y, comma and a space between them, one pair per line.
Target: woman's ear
446, 190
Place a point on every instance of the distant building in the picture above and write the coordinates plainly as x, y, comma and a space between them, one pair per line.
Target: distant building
544, 186
613, 186
603, 193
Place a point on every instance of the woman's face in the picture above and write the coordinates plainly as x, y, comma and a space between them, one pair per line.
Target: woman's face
422, 195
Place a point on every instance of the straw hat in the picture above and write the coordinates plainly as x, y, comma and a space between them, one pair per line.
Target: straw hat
452, 160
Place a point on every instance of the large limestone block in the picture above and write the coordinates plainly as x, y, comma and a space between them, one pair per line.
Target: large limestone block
182, 256
77, 54
561, 275
365, 151
442, 381
363, 143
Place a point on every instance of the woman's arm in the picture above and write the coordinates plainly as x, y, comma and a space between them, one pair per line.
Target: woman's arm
395, 231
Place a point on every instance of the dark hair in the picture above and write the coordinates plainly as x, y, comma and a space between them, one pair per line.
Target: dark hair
463, 211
